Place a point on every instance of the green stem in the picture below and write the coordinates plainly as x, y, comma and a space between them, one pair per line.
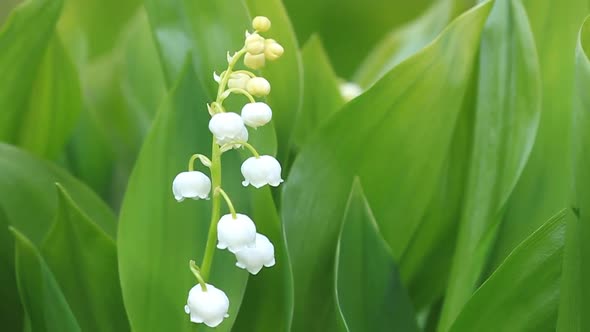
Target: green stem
204, 160
229, 146
237, 90
230, 205
195, 269
230, 67
215, 211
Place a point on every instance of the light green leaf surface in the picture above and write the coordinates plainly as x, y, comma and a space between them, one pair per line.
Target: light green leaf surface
523, 293
157, 235
406, 40
268, 302
575, 290
83, 259
545, 183
44, 303
321, 97
368, 287
402, 145
507, 113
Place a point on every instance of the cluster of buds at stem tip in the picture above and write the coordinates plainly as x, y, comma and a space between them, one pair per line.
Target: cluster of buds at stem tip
235, 232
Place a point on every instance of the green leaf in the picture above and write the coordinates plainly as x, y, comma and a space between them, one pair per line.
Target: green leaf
156, 240
575, 291
523, 293
401, 145
368, 286
268, 302
321, 97
507, 114
83, 259
39, 77
545, 184
406, 40
45, 305
54, 104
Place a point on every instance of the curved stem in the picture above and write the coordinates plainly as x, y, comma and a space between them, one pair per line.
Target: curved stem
204, 160
237, 90
230, 67
230, 145
249, 73
230, 205
195, 269
215, 210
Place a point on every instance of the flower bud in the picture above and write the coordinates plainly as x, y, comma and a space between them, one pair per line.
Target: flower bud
272, 49
261, 171
228, 127
258, 87
238, 81
253, 259
254, 61
191, 184
236, 234
255, 44
261, 23
209, 307
256, 114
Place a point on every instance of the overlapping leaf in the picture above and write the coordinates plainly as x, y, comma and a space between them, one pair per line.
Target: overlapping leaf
395, 140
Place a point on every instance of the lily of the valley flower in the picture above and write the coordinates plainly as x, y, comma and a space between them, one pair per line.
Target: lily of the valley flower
272, 49
228, 127
236, 233
256, 114
254, 61
238, 81
261, 23
260, 171
193, 184
253, 259
254, 44
207, 306
258, 87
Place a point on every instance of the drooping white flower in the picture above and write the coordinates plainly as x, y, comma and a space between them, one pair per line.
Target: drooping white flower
228, 127
261, 171
254, 61
236, 234
261, 23
253, 259
193, 184
238, 81
209, 307
258, 87
272, 49
256, 114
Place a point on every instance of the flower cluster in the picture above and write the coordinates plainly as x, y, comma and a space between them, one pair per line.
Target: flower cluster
235, 232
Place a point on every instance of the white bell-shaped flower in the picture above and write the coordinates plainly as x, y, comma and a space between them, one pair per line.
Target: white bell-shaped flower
228, 127
256, 114
209, 307
261, 171
236, 234
193, 184
258, 87
253, 259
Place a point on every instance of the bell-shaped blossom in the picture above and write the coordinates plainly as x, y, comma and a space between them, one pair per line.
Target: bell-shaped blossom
256, 114
261, 23
254, 61
228, 127
258, 87
238, 81
236, 234
254, 44
253, 259
272, 49
209, 307
193, 184
259, 171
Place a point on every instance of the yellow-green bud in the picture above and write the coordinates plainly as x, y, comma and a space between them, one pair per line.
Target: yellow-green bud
261, 23
255, 44
254, 61
258, 87
272, 49
238, 81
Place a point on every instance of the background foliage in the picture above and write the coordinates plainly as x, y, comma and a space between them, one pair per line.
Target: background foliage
451, 195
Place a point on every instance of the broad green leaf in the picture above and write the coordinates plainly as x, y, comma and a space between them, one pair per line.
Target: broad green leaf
54, 104
523, 293
507, 113
321, 97
401, 145
575, 291
44, 303
285, 74
406, 40
268, 302
159, 236
545, 184
83, 259
368, 287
